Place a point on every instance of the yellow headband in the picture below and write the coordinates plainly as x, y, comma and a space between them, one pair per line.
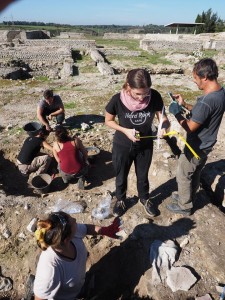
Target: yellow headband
40, 233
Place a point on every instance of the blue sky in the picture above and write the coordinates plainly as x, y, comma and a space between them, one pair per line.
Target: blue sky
108, 12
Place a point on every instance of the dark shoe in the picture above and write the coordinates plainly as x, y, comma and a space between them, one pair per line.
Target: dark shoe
175, 208
175, 197
80, 183
119, 209
149, 208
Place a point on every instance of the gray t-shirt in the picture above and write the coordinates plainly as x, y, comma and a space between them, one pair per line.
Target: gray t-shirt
208, 111
56, 104
57, 278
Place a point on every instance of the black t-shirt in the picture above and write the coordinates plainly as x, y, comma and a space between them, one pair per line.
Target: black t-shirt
31, 147
139, 120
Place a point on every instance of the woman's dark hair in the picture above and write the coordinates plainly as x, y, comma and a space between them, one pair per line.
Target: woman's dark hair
206, 68
53, 231
62, 134
138, 79
48, 94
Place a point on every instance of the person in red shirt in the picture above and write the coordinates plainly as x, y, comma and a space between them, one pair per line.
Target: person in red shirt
71, 156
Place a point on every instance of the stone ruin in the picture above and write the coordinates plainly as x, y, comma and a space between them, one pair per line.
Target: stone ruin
29, 54
26, 54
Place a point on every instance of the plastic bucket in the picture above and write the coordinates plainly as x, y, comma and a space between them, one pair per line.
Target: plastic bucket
32, 128
41, 183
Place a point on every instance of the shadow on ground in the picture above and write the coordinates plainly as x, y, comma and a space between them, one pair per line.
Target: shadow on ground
101, 170
116, 275
76, 121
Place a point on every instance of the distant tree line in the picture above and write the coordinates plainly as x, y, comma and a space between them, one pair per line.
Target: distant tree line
212, 23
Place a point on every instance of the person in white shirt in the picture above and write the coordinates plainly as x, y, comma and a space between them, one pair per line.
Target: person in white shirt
61, 267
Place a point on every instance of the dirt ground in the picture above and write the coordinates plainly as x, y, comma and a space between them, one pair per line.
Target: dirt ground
117, 269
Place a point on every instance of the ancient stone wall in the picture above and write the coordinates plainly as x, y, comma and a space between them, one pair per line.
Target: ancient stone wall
120, 52
71, 35
73, 44
124, 36
173, 45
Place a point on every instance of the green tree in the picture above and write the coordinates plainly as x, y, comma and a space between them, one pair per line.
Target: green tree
212, 22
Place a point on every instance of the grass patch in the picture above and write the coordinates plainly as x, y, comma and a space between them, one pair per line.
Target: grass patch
42, 78
70, 105
86, 65
144, 59
124, 44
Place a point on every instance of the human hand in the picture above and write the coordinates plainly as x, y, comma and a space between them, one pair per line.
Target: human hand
161, 133
48, 127
50, 117
175, 108
132, 134
112, 229
179, 99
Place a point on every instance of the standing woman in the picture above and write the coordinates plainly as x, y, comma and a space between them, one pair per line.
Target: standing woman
71, 156
135, 106
61, 267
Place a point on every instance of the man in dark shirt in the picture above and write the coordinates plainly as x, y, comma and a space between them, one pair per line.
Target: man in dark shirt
202, 128
28, 160
49, 107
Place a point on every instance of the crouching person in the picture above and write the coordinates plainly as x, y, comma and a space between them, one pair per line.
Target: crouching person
28, 160
71, 156
61, 267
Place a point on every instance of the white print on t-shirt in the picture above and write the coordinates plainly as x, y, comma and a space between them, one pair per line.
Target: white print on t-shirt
137, 117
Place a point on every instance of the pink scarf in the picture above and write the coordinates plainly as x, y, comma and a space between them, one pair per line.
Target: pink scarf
131, 103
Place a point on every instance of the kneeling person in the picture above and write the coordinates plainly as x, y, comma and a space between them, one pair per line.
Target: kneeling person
49, 107
71, 156
28, 160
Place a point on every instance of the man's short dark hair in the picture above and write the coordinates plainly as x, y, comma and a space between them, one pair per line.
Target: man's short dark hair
206, 68
48, 94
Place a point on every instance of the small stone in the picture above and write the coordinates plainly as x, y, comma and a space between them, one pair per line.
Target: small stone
6, 233
32, 225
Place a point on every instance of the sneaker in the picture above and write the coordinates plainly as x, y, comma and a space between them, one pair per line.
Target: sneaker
149, 208
175, 208
119, 209
80, 183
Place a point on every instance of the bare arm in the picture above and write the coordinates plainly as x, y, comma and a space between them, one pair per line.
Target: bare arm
60, 110
93, 229
55, 153
188, 125
47, 146
110, 122
40, 117
57, 112
37, 298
